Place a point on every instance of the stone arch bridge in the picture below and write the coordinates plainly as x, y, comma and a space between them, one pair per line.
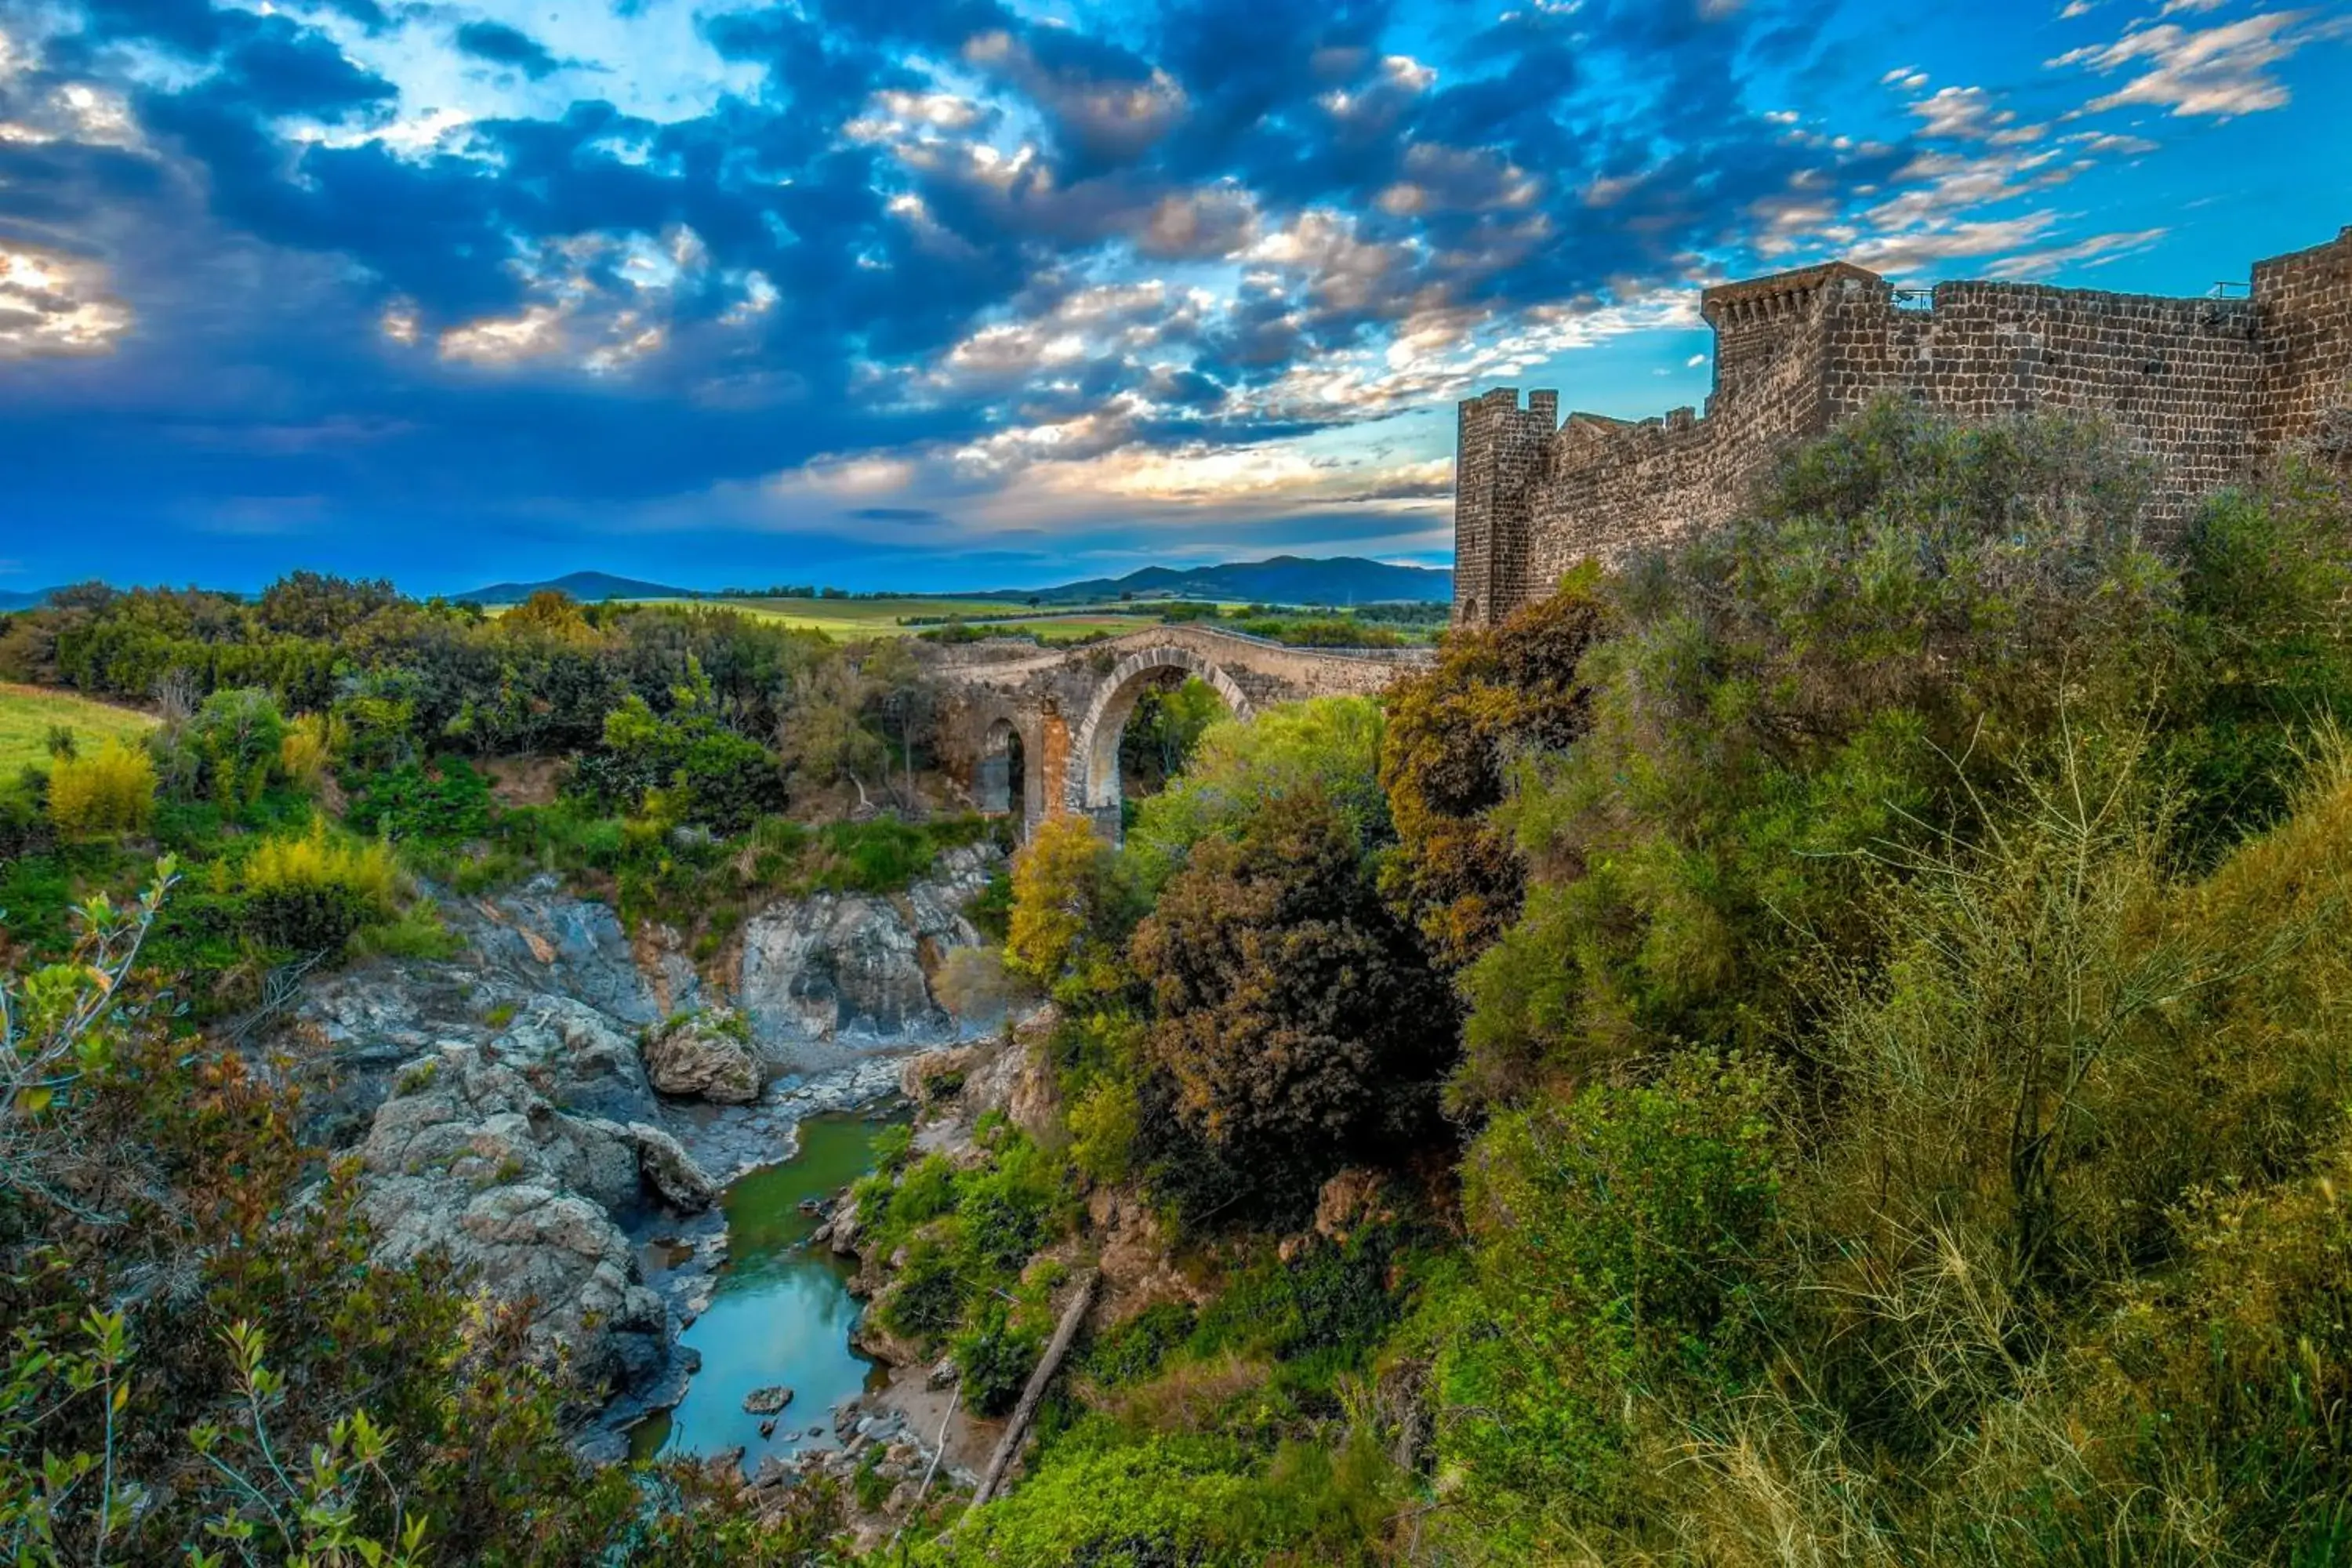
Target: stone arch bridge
1036, 730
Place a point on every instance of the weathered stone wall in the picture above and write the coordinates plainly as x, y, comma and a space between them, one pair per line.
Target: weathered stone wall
2178, 378
2202, 385
2304, 305
1607, 490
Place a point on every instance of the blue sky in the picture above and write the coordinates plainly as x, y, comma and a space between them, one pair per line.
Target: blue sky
929, 293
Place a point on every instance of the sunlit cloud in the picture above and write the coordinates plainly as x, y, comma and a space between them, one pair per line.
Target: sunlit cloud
536, 333
54, 304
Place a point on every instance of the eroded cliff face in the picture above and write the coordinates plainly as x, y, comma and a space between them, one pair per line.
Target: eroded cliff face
828, 979
501, 1109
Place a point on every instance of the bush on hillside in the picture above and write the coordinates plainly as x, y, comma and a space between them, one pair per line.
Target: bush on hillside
1327, 744
236, 746
1627, 1251
1908, 607
309, 892
448, 802
1070, 913
111, 791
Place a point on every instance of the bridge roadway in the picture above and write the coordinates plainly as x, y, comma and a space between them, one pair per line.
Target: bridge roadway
1038, 729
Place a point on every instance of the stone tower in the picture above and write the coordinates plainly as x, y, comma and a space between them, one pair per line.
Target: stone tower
1497, 447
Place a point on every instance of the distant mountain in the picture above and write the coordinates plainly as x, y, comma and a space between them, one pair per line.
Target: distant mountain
32, 601
586, 586
1284, 580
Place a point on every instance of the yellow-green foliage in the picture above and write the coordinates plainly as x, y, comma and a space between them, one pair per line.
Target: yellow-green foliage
365, 867
30, 713
1327, 744
113, 791
303, 751
1104, 1123
313, 889
1064, 931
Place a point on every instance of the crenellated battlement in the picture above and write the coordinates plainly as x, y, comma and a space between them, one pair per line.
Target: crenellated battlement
2204, 385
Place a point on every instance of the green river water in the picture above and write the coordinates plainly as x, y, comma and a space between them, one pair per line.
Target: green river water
781, 1312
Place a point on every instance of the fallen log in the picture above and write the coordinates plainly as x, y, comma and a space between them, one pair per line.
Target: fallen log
1008, 1446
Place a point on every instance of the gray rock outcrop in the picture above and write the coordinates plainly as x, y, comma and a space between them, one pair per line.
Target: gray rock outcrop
466, 1157
827, 978
706, 1054
670, 1171
503, 1103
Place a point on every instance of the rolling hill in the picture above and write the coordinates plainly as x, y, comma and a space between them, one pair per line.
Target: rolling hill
1283, 580
587, 586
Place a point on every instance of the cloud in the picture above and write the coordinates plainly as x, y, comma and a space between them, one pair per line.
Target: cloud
949, 265
500, 45
2222, 72
53, 304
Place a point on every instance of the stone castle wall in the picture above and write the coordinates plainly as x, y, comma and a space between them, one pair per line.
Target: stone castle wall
2204, 386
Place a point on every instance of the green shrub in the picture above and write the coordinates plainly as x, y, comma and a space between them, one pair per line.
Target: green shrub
1106, 1124
926, 1302
447, 803
1789, 704
995, 1353
1624, 1243
1137, 1348
1173, 1501
238, 739
417, 932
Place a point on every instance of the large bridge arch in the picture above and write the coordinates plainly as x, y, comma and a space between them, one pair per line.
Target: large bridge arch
1092, 783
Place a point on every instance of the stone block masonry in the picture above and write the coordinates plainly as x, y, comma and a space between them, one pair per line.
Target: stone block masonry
2205, 387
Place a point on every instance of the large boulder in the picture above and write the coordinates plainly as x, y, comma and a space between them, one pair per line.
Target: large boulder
466, 1157
549, 979
670, 1171
708, 1055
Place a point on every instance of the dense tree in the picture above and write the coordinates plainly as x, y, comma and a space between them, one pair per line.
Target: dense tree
822, 734
1495, 695
1291, 1010
313, 604
1167, 724
1328, 743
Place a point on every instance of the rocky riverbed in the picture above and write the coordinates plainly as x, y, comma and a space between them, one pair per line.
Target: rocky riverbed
501, 1106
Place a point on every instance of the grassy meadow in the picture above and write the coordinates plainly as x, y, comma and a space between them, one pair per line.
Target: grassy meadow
27, 713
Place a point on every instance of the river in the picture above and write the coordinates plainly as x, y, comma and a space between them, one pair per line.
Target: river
780, 1312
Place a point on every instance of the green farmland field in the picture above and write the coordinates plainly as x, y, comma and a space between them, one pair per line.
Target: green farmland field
27, 712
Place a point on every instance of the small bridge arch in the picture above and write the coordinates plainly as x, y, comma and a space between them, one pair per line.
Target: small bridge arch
1091, 786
